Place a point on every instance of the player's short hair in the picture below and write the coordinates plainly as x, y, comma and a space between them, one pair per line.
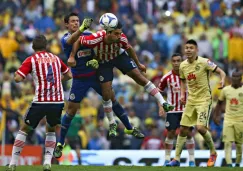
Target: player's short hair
66, 18
238, 72
176, 54
39, 43
192, 42
119, 26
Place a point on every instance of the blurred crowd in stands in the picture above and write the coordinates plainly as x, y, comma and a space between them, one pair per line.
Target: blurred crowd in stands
155, 28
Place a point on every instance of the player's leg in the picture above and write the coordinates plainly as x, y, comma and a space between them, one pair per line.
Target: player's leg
31, 120
53, 118
78, 91
190, 145
105, 76
228, 139
238, 142
188, 119
127, 66
203, 114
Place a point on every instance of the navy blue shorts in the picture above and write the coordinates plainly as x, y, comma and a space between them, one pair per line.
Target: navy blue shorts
37, 111
173, 121
80, 87
123, 62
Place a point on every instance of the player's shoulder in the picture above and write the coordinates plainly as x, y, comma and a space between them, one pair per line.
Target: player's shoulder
203, 60
167, 75
227, 88
65, 36
183, 64
99, 34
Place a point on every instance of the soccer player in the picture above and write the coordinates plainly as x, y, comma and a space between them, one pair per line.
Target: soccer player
171, 82
233, 117
194, 74
113, 50
46, 69
84, 78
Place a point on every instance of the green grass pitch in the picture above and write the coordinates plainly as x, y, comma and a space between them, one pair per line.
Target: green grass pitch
121, 168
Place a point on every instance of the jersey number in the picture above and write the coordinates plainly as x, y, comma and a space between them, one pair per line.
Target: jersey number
50, 76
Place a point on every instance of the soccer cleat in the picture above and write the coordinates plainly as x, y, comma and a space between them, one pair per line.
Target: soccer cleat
135, 132
237, 165
58, 150
112, 130
229, 165
167, 107
212, 160
173, 163
47, 167
192, 164
166, 162
11, 168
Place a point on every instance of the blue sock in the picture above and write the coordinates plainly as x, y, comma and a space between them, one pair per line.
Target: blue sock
121, 114
66, 122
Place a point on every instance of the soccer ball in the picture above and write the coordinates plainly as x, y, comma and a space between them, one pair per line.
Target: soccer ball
108, 21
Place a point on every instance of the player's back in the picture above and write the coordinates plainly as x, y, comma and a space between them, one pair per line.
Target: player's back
234, 103
46, 69
197, 78
83, 55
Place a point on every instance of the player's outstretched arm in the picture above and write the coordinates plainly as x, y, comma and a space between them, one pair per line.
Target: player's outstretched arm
133, 55
67, 76
75, 36
71, 60
222, 76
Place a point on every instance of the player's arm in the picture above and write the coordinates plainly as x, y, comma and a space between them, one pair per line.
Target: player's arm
131, 52
75, 36
66, 73
183, 91
67, 76
71, 60
23, 70
222, 77
219, 105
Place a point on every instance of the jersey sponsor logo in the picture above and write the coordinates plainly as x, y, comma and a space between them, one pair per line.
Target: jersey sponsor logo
72, 96
84, 53
234, 101
191, 76
46, 60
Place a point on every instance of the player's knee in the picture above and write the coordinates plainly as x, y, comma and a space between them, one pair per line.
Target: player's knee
171, 134
138, 77
201, 129
184, 131
26, 128
72, 108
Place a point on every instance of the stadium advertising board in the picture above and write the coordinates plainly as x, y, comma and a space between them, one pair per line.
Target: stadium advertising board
31, 155
139, 157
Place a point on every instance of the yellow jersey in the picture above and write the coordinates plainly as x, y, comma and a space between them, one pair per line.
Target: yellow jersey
234, 103
196, 75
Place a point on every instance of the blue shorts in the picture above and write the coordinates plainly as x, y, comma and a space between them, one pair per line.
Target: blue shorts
80, 87
37, 111
123, 62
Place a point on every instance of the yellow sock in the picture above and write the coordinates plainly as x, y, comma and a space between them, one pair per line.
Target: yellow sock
228, 152
209, 141
238, 153
179, 146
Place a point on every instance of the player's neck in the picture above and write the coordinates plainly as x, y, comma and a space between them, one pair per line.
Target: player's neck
176, 72
107, 40
191, 60
236, 85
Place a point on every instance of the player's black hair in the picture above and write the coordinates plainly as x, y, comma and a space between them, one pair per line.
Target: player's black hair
176, 54
39, 43
237, 71
192, 42
119, 25
66, 18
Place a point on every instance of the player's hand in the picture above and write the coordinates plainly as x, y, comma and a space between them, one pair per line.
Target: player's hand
162, 112
93, 63
216, 120
86, 24
222, 82
183, 100
142, 68
71, 62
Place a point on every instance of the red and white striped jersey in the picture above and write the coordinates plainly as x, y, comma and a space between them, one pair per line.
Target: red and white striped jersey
171, 81
103, 51
46, 69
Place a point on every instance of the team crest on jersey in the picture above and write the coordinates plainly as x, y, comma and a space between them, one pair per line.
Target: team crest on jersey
167, 124
72, 96
197, 68
240, 94
101, 78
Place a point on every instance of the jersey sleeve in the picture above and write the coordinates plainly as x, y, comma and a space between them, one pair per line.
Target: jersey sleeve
92, 40
64, 68
222, 95
25, 68
182, 76
162, 83
210, 65
124, 42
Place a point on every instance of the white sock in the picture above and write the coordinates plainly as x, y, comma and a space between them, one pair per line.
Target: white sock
107, 105
18, 146
190, 145
49, 147
168, 148
152, 90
